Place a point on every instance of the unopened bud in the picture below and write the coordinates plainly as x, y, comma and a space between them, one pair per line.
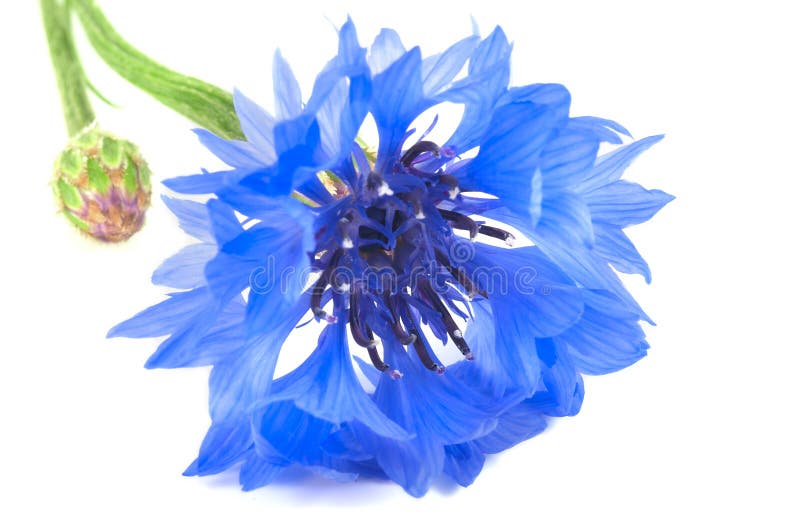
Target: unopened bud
102, 185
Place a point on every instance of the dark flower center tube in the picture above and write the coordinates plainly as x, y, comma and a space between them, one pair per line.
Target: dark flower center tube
393, 238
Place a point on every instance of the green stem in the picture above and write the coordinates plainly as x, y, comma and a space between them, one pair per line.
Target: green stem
69, 74
201, 102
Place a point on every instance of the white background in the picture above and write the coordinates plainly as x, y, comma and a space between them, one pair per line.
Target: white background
700, 435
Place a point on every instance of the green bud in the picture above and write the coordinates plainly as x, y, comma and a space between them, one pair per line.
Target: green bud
102, 185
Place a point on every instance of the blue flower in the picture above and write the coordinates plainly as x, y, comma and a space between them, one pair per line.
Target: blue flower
406, 248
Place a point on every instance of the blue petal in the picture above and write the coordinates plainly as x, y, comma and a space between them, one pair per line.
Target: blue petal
439, 70
606, 130
520, 423
270, 258
257, 125
607, 338
592, 271
223, 222
163, 318
224, 339
486, 82
350, 51
257, 472
609, 167
463, 462
192, 217
203, 183
560, 379
326, 386
180, 349
612, 244
285, 266
288, 99
413, 465
568, 157
539, 289
386, 49
234, 153
290, 432
225, 444
397, 100
185, 269
369, 371
507, 163
438, 409
491, 51
564, 218
548, 94
241, 380
528, 298
622, 203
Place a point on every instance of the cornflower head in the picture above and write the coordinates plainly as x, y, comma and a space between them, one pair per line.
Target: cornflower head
400, 251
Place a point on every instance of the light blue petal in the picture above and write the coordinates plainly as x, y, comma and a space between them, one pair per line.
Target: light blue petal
224, 339
521, 423
163, 318
486, 82
224, 224
280, 277
551, 95
622, 203
234, 153
184, 270
350, 51
606, 130
564, 218
535, 286
257, 472
257, 125
397, 100
507, 163
270, 258
528, 298
225, 444
386, 49
607, 338
180, 349
192, 217
590, 270
609, 167
567, 157
203, 183
241, 380
439, 70
612, 244
491, 51
288, 99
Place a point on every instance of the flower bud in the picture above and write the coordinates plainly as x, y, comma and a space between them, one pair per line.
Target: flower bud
102, 185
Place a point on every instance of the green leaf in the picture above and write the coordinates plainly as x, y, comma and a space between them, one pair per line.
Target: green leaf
130, 178
69, 195
111, 152
98, 179
77, 222
70, 163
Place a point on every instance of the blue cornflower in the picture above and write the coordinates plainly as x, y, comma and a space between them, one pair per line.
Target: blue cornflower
398, 265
